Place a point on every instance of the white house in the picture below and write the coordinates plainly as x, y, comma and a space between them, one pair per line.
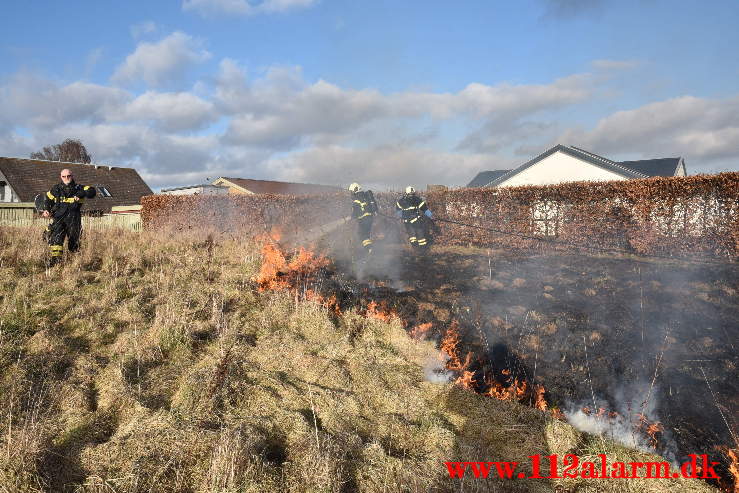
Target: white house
568, 163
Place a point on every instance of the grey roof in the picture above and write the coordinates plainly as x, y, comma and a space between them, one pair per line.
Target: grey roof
589, 157
485, 177
655, 167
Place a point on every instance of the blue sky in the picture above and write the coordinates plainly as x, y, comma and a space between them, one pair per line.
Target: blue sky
383, 92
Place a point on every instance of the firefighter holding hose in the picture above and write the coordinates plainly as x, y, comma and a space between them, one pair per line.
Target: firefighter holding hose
413, 211
63, 203
364, 209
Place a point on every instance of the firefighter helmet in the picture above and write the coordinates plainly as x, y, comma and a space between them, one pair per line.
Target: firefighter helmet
409, 190
354, 187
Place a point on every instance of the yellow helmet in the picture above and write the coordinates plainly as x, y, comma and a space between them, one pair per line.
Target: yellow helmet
354, 187
409, 190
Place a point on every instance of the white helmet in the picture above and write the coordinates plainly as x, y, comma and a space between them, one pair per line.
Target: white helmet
409, 190
354, 187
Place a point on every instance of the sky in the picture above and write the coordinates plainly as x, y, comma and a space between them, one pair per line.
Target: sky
386, 93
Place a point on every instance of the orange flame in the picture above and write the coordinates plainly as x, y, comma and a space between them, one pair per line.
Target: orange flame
467, 380
380, 311
449, 344
733, 468
539, 401
651, 429
420, 331
276, 273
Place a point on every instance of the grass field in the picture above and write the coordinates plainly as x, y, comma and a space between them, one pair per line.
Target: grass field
148, 364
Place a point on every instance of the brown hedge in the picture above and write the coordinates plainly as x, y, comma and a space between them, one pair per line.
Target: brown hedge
676, 216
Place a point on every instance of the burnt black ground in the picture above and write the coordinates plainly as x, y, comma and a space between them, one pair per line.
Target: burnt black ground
661, 337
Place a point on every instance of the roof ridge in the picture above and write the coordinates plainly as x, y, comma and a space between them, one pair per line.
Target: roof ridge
592, 154
278, 181
617, 164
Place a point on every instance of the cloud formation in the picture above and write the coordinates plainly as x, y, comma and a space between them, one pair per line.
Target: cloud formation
278, 125
162, 62
243, 7
705, 130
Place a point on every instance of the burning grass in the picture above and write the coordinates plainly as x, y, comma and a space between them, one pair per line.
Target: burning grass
165, 364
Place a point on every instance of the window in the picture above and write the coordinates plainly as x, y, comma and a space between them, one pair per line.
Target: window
2, 191
102, 191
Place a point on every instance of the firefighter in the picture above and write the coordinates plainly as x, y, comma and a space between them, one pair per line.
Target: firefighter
411, 208
63, 204
364, 209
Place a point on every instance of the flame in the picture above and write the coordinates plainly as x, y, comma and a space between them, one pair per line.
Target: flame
467, 380
276, 273
539, 401
733, 457
327, 302
380, 311
273, 265
449, 344
650, 429
420, 331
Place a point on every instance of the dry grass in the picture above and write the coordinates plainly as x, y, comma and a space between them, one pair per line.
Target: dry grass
148, 364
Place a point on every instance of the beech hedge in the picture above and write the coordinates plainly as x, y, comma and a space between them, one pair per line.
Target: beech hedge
675, 216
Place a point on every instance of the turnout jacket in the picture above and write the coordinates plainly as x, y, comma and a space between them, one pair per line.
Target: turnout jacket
60, 200
410, 207
363, 204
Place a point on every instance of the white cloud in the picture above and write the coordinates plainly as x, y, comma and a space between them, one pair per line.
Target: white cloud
162, 62
244, 7
28, 100
391, 166
705, 130
172, 111
281, 110
147, 149
281, 126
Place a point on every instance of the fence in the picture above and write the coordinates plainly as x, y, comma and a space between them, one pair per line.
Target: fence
22, 214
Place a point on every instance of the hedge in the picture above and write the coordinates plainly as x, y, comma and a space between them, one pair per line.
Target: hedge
675, 216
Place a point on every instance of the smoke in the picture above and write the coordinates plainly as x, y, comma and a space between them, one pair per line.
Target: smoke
435, 371
636, 407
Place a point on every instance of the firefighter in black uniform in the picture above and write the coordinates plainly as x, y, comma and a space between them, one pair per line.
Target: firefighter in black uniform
364, 209
63, 204
411, 208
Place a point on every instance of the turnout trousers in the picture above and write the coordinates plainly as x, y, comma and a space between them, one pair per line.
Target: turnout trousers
416, 230
67, 226
364, 232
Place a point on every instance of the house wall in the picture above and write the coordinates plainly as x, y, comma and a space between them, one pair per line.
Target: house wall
7, 194
559, 168
232, 188
681, 169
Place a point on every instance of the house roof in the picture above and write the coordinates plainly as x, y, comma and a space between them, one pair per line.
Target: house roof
29, 177
586, 156
187, 187
485, 177
655, 167
280, 187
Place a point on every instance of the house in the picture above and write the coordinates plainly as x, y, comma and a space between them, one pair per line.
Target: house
22, 179
196, 190
248, 187
568, 163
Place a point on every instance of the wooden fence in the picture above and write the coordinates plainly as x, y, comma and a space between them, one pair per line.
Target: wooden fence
21, 214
